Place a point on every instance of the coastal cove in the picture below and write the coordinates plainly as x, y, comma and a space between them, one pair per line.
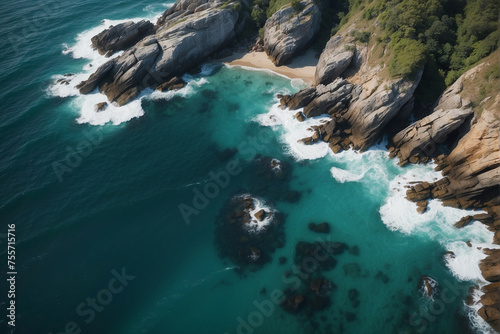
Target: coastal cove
239, 196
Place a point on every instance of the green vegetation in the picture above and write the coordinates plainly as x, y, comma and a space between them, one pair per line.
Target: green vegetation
455, 33
362, 37
409, 56
296, 5
447, 36
275, 5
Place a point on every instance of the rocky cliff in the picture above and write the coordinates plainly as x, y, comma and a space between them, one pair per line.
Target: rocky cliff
289, 31
184, 37
362, 103
419, 141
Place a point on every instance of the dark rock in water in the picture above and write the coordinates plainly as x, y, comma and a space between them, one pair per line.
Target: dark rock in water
352, 270
271, 178
428, 286
173, 84
449, 254
293, 303
62, 81
383, 277
299, 99
314, 256
354, 297
490, 266
335, 248
464, 221
282, 260
468, 243
300, 117
320, 286
238, 238
469, 300
101, 106
491, 304
292, 196
121, 37
422, 206
319, 228
349, 316
227, 154
260, 215
209, 94
354, 250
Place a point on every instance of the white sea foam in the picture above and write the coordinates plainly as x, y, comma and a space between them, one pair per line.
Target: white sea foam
477, 322
256, 226
292, 130
82, 49
342, 175
399, 214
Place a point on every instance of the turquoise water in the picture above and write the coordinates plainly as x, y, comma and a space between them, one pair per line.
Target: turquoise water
83, 219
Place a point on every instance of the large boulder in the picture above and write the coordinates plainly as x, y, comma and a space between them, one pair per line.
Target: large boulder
421, 138
374, 108
121, 37
332, 98
491, 305
288, 32
185, 40
334, 60
490, 266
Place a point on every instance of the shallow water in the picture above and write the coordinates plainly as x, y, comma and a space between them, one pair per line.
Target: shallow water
83, 217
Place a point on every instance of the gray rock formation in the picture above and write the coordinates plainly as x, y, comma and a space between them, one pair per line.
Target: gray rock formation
472, 169
186, 38
288, 32
121, 37
420, 138
334, 60
369, 114
332, 98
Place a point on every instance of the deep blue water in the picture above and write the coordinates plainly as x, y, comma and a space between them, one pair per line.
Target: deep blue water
96, 197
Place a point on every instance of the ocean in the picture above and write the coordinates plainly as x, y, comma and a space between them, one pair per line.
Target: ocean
121, 216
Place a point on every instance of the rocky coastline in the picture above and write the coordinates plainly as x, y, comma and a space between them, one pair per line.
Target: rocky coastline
361, 99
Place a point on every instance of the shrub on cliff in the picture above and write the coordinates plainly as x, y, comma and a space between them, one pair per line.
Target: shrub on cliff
409, 56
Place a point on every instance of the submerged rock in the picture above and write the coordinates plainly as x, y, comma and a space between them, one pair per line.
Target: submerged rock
319, 228
288, 32
243, 238
354, 297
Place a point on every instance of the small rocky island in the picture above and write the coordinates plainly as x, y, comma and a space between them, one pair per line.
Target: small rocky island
365, 90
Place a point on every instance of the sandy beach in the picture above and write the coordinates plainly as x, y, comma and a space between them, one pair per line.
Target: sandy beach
302, 67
